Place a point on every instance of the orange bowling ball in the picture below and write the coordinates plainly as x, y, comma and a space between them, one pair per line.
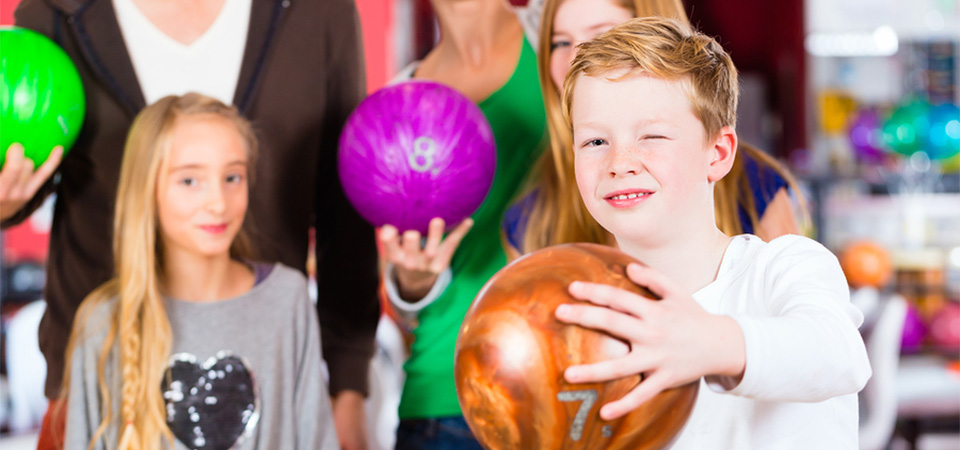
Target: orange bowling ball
511, 354
866, 264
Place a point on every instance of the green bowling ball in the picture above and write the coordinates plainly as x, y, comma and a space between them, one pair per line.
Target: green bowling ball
41, 99
907, 128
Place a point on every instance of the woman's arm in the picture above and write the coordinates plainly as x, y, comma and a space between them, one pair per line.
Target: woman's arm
778, 218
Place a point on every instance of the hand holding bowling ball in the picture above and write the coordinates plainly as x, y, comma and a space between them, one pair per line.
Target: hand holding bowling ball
672, 341
417, 268
41, 112
18, 180
511, 354
42, 103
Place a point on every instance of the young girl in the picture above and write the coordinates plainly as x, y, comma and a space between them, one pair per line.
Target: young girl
191, 345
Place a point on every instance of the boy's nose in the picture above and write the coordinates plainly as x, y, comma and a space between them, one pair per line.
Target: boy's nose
623, 161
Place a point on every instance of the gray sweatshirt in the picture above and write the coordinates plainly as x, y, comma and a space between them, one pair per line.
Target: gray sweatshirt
245, 373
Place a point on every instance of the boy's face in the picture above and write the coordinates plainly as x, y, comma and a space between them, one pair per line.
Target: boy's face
643, 165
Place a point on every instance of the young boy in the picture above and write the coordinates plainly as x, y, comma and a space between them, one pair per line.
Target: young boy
768, 326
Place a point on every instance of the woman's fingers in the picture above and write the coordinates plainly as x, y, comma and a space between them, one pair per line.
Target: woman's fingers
45, 171
434, 237
449, 246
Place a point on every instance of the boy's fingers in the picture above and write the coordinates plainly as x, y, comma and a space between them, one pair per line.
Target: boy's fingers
600, 318
606, 295
611, 369
644, 391
651, 279
45, 171
434, 236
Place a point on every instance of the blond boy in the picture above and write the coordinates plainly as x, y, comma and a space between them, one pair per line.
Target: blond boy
768, 326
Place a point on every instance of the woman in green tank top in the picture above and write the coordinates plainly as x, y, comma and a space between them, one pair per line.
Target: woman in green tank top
486, 53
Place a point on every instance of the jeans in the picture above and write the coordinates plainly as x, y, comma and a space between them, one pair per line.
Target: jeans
446, 433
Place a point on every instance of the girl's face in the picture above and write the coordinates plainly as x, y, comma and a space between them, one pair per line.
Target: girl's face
202, 187
578, 21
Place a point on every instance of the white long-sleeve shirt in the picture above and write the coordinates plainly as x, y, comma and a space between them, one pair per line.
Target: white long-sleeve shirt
805, 359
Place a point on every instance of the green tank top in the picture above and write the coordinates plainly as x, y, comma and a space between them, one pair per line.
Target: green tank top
516, 114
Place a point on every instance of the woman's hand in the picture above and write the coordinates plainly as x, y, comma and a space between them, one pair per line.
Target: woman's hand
19, 182
417, 269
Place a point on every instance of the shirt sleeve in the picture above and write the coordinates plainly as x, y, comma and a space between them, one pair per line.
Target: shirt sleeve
347, 275
411, 309
314, 414
807, 347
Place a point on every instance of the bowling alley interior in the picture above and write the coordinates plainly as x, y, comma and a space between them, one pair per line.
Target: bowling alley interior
858, 99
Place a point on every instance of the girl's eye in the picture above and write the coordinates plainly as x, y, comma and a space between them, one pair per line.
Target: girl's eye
234, 178
654, 136
189, 182
559, 44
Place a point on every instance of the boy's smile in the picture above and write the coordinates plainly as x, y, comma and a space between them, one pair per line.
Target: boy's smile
627, 198
643, 165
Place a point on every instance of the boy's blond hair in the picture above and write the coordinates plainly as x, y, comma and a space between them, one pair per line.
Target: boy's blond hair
669, 50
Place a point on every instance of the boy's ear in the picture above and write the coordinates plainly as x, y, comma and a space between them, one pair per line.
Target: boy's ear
722, 154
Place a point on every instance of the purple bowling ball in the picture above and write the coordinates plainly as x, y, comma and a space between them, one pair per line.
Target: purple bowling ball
414, 151
866, 136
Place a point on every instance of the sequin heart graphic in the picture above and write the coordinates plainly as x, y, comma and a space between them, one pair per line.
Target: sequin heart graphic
213, 405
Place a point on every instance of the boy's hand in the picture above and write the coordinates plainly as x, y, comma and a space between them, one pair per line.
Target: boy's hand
672, 341
417, 269
19, 182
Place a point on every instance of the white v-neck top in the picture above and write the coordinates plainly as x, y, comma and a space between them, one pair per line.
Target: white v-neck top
210, 65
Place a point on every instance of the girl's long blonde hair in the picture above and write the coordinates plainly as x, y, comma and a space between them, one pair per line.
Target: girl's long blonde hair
138, 328
557, 214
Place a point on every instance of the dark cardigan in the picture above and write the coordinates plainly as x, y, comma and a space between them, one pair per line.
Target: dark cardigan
301, 76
